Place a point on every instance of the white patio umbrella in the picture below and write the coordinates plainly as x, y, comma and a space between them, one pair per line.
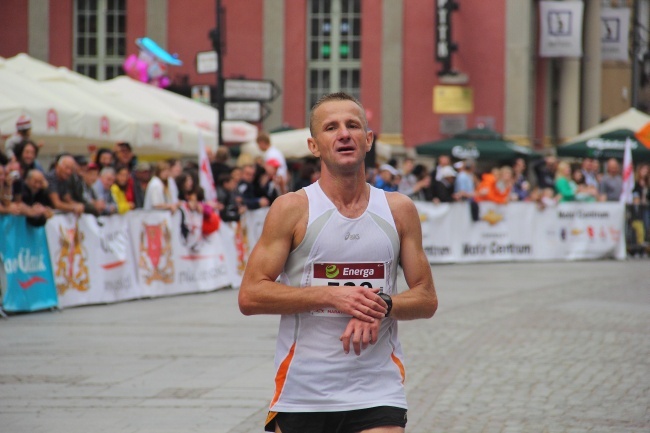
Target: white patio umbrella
632, 119
62, 123
183, 109
110, 116
146, 128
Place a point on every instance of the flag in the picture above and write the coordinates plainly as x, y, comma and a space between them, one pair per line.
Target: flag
628, 174
205, 173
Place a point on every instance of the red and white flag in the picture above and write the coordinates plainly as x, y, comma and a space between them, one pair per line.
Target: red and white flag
205, 173
628, 174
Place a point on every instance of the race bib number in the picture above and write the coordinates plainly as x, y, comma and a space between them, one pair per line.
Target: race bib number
371, 275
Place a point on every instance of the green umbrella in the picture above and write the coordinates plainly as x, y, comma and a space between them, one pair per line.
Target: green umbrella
479, 143
608, 145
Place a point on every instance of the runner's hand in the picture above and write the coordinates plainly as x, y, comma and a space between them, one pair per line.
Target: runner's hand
360, 334
359, 302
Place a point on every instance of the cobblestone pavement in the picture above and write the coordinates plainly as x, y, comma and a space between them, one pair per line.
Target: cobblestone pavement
518, 347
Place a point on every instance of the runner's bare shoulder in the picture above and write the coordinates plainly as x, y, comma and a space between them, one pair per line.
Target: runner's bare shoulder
289, 213
403, 210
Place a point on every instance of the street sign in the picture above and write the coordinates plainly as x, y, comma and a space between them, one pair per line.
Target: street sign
206, 62
250, 111
252, 90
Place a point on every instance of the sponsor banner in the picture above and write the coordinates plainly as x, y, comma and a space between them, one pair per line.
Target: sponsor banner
200, 261
522, 232
110, 241
573, 231
439, 225
151, 240
91, 259
28, 283
228, 234
71, 259
560, 28
254, 223
614, 35
502, 233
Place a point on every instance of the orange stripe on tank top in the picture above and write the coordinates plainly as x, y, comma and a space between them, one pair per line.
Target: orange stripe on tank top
281, 375
402, 370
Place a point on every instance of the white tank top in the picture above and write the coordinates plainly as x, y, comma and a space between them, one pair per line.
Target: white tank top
313, 373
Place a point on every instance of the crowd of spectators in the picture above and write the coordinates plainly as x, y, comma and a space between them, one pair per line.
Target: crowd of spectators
548, 181
113, 181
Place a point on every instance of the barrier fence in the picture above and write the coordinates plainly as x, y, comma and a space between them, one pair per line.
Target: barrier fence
84, 260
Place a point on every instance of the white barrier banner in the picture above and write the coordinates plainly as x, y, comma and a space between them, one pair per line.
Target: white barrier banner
438, 230
521, 232
254, 223
230, 236
91, 259
151, 237
155, 253
502, 233
173, 256
201, 263
117, 277
573, 231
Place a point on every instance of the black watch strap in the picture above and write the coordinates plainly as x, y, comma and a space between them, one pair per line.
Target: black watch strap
388, 300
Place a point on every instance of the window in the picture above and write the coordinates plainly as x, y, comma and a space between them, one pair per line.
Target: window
99, 37
334, 48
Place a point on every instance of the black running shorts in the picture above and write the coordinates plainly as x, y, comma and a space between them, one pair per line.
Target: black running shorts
336, 422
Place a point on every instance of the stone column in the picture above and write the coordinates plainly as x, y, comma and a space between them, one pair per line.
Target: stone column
519, 89
592, 67
273, 53
39, 29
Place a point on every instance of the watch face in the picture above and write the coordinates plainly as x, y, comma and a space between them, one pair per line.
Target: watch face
388, 300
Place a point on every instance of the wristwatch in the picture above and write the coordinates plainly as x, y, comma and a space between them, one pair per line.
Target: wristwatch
388, 300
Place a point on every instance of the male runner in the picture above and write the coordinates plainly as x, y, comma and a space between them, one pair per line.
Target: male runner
336, 245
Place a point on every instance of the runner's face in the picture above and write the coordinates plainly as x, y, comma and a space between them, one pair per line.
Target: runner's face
340, 135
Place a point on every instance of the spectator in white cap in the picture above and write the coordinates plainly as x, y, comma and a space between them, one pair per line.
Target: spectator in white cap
386, 178
443, 189
23, 133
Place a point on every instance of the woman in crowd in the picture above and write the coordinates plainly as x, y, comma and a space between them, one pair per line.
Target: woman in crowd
191, 193
584, 192
105, 158
26, 154
564, 185
521, 186
188, 190
122, 189
159, 194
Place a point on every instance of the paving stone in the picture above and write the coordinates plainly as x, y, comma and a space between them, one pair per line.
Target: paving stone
515, 347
